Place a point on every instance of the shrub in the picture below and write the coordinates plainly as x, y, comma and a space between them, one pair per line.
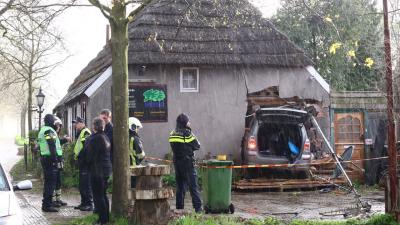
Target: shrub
169, 180
70, 175
384, 219
20, 141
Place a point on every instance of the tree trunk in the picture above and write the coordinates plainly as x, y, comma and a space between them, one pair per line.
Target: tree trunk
119, 51
30, 91
23, 122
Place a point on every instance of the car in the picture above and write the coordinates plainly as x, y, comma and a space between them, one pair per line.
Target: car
277, 135
10, 212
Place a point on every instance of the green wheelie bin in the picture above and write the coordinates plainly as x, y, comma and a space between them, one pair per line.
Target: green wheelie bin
216, 184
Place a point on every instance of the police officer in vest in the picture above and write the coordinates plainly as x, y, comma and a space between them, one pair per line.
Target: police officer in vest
136, 152
183, 144
84, 176
50, 150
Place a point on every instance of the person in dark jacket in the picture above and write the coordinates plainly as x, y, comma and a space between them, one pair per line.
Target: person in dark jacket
105, 114
85, 188
183, 144
97, 157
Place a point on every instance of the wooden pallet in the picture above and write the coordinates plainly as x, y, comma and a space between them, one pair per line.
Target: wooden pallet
283, 184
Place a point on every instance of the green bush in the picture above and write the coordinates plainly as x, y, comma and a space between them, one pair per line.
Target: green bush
20, 141
169, 180
70, 175
33, 135
384, 219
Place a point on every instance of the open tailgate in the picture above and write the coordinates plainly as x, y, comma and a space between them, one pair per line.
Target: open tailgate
281, 115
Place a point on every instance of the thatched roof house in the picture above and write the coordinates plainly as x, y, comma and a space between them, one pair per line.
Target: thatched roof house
205, 56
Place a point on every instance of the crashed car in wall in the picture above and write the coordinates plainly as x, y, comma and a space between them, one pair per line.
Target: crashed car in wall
277, 136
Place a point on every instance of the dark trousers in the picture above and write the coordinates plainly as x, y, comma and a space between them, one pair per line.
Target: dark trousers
186, 176
50, 172
85, 188
101, 203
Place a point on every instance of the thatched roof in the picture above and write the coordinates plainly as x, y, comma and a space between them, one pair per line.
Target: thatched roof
213, 32
209, 32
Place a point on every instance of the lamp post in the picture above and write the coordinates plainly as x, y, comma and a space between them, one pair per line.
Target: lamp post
40, 100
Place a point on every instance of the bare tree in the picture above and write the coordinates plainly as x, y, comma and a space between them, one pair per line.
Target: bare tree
27, 48
118, 18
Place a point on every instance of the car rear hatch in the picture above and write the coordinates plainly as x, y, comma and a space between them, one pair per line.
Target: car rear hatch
280, 137
281, 115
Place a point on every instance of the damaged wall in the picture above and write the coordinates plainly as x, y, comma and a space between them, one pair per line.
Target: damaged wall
217, 111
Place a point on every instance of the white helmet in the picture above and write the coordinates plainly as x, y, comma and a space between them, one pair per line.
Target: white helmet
57, 121
134, 121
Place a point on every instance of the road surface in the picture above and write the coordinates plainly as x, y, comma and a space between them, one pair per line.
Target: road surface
8, 153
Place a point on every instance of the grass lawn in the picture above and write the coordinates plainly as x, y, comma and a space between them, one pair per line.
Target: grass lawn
201, 219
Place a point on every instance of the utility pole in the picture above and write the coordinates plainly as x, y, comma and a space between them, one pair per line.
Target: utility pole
391, 125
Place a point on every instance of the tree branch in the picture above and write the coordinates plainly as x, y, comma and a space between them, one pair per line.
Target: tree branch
133, 2
133, 14
103, 9
7, 7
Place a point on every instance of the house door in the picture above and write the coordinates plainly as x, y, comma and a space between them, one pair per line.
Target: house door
349, 131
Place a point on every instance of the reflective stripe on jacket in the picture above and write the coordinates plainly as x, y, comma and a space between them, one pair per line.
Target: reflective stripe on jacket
183, 143
136, 153
44, 137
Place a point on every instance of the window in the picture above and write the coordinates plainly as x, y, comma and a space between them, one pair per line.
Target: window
349, 129
189, 79
3, 181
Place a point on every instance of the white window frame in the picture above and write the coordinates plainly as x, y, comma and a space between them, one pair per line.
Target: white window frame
181, 80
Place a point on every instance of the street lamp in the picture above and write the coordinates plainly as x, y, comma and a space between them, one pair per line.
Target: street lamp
40, 100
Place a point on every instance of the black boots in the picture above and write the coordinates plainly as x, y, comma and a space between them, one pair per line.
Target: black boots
49, 209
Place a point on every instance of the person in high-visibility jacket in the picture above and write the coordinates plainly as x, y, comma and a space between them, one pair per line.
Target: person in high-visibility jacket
136, 152
57, 202
183, 143
50, 150
85, 189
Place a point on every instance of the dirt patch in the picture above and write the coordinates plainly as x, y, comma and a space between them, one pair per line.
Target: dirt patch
297, 205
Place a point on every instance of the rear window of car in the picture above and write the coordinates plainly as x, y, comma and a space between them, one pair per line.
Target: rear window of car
3, 181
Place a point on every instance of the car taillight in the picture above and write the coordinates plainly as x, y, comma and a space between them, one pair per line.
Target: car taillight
306, 145
306, 150
252, 144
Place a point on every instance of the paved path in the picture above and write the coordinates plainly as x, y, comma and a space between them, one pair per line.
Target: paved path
29, 201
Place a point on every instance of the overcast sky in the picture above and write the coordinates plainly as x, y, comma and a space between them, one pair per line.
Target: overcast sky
84, 31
